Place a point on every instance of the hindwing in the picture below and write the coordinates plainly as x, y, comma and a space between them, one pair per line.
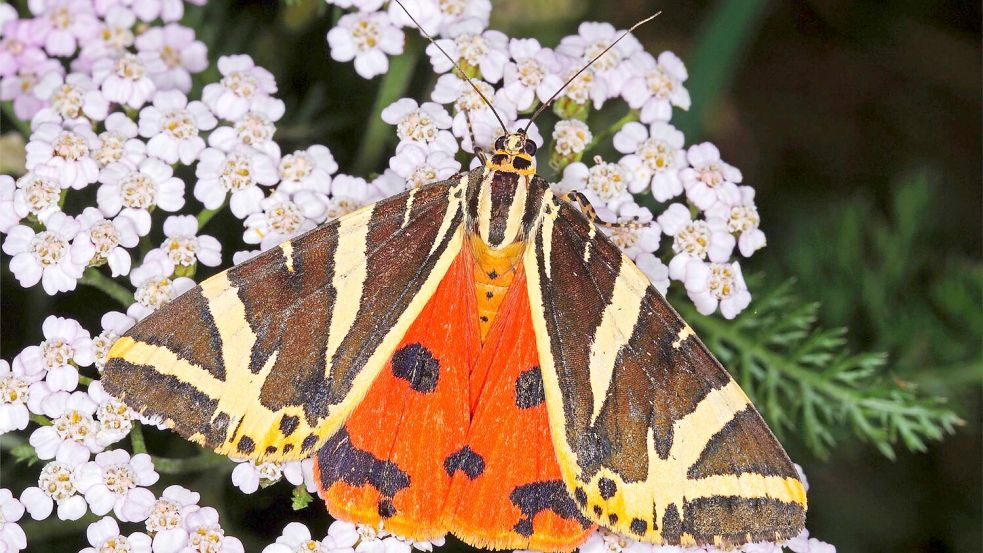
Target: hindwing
267, 359
654, 439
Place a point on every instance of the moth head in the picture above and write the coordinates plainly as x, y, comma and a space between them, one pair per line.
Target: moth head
514, 152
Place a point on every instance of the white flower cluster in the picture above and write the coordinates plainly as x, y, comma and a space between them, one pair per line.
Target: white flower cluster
104, 85
705, 211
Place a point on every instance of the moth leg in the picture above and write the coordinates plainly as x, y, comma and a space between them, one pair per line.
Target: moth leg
474, 143
588, 210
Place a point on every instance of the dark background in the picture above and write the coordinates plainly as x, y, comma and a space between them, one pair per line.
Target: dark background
859, 125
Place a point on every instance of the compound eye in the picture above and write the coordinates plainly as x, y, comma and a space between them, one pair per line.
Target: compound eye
530, 147
500, 143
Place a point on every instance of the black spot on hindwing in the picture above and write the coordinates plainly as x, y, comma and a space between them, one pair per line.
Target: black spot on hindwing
465, 460
416, 365
533, 498
340, 461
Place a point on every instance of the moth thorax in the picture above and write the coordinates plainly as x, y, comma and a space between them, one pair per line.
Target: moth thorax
501, 208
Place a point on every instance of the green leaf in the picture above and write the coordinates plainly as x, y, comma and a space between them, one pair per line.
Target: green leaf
808, 383
24, 453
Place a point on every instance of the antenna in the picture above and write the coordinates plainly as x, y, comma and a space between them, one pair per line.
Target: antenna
461, 71
547, 103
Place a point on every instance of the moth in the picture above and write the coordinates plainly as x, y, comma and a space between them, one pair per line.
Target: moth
472, 356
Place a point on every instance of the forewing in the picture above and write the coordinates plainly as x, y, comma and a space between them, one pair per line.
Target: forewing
267, 359
654, 438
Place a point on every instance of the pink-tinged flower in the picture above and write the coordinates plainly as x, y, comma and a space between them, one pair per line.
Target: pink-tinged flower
71, 438
368, 38
19, 86
348, 194
183, 245
66, 151
66, 345
488, 51
297, 537
656, 271
244, 255
451, 89
279, 220
656, 86
115, 35
15, 392
131, 192
694, 239
243, 82
254, 128
419, 166
173, 125
571, 137
110, 239
72, 96
239, 172
307, 170
65, 24
639, 235
344, 535
51, 256
116, 482
56, 486
119, 143
656, 157
591, 39
104, 536
711, 284
708, 179
205, 534
762, 547
534, 73
454, 12
127, 80
12, 537
742, 220
426, 124
165, 522
154, 285
19, 42
148, 10
114, 324
182, 54
114, 417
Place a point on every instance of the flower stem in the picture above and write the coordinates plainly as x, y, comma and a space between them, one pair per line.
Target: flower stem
23, 127
204, 460
41, 420
136, 438
93, 277
599, 137
205, 215
378, 133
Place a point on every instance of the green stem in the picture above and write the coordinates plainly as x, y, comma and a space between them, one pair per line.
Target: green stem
206, 214
378, 134
23, 127
204, 460
85, 380
41, 420
93, 277
601, 136
136, 438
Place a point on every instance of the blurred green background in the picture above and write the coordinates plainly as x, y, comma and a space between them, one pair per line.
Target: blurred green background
858, 122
